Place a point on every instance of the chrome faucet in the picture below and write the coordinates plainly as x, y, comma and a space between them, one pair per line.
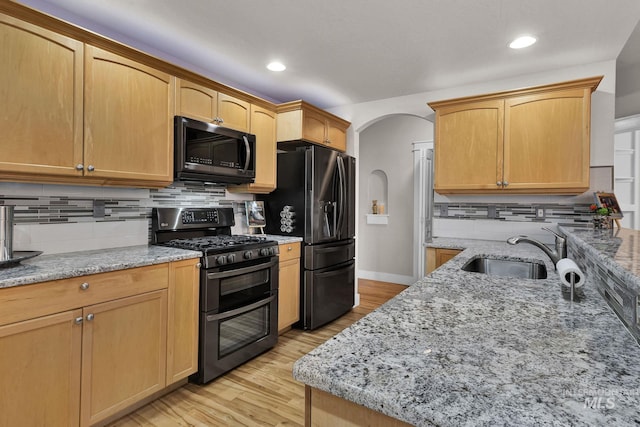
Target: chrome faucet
555, 255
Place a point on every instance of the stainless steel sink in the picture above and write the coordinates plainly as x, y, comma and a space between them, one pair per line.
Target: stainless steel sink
506, 268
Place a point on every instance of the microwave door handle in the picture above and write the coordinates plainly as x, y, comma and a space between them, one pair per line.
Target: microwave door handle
248, 148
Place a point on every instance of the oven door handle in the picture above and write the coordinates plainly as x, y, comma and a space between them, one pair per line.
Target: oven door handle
244, 270
244, 309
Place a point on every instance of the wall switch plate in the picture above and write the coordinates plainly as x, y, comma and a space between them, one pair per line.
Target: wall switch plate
540, 213
444, 210
492, 211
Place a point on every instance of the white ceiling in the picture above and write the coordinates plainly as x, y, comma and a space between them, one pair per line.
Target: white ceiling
342, 52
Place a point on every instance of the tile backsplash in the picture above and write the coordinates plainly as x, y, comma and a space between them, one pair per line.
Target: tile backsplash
58, 218
569, 214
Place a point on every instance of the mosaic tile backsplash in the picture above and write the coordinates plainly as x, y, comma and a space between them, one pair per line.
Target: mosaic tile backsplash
46, 209
568, 214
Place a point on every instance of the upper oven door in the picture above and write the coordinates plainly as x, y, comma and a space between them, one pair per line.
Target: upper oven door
207, 152
229, 287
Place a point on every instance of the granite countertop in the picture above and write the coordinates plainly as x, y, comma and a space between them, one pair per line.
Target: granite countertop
61, 266
617, 248
460, 348
282, 240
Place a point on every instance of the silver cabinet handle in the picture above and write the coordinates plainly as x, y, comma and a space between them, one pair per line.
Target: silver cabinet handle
90, 168
499, 183
505, 183
90, 317
78, 320
289, 248
198, 265
84, 286
79, 167
221, 120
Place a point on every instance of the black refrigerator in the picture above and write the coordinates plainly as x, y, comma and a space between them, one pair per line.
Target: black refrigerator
315, 200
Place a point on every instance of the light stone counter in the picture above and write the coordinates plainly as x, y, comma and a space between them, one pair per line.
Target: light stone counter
282, 240
61, 266
467, 349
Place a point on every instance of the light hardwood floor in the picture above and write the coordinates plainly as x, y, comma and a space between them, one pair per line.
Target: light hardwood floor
261, 392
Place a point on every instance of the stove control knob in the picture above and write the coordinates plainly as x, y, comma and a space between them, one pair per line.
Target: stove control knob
248, 255
264, 252
231, 258
221, 260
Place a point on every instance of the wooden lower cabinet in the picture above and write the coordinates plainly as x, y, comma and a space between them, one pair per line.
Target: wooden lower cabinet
325, 409
436, 257
86, 364
123, 353
182, 326
40, 371
289, 286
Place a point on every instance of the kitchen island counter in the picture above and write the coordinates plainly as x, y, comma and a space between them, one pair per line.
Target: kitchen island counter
461, 348
73, 264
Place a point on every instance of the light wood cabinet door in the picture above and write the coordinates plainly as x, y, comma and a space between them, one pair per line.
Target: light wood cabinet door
208, 105
336, 137
314, 127
182, 322
289, 286
546, 143
123, 353
468, 147
41, 75
298, 120
437, 256
128, 123
263, 126
234, 113
533, 140
40, 371
196, 101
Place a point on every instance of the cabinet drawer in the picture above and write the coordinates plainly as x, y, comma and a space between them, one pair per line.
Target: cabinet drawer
29, 301
289, 251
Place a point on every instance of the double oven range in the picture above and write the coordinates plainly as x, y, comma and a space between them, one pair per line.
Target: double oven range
238, 285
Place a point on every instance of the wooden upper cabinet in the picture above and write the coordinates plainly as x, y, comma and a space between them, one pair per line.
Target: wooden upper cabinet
41, 76
208, 105
534, 140
547, 141
196, 101
263, 126
301, 121
469, 134
128, 119
234, 113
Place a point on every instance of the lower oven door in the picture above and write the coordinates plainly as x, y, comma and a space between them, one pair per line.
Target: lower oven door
231, 338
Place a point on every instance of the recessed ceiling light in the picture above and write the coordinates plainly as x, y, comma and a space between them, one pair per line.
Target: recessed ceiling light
276, 66
523, 41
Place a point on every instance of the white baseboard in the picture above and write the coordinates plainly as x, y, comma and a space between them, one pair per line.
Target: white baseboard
386, 277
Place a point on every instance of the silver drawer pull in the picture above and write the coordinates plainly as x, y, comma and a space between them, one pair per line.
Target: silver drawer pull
90, 317
84, 286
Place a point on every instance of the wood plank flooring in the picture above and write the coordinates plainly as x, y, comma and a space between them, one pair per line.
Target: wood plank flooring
262, 392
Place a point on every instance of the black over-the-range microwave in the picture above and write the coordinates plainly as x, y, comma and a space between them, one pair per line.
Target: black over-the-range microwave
211, 153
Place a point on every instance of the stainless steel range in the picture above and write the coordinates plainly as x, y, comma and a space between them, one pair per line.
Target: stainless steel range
238, 285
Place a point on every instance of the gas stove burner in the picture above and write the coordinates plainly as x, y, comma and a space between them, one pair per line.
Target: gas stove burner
214, 242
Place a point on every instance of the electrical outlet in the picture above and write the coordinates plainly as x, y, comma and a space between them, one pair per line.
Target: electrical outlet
539, 212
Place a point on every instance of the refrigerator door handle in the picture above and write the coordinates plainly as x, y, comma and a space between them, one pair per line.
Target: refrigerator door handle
341, 193
335, 219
